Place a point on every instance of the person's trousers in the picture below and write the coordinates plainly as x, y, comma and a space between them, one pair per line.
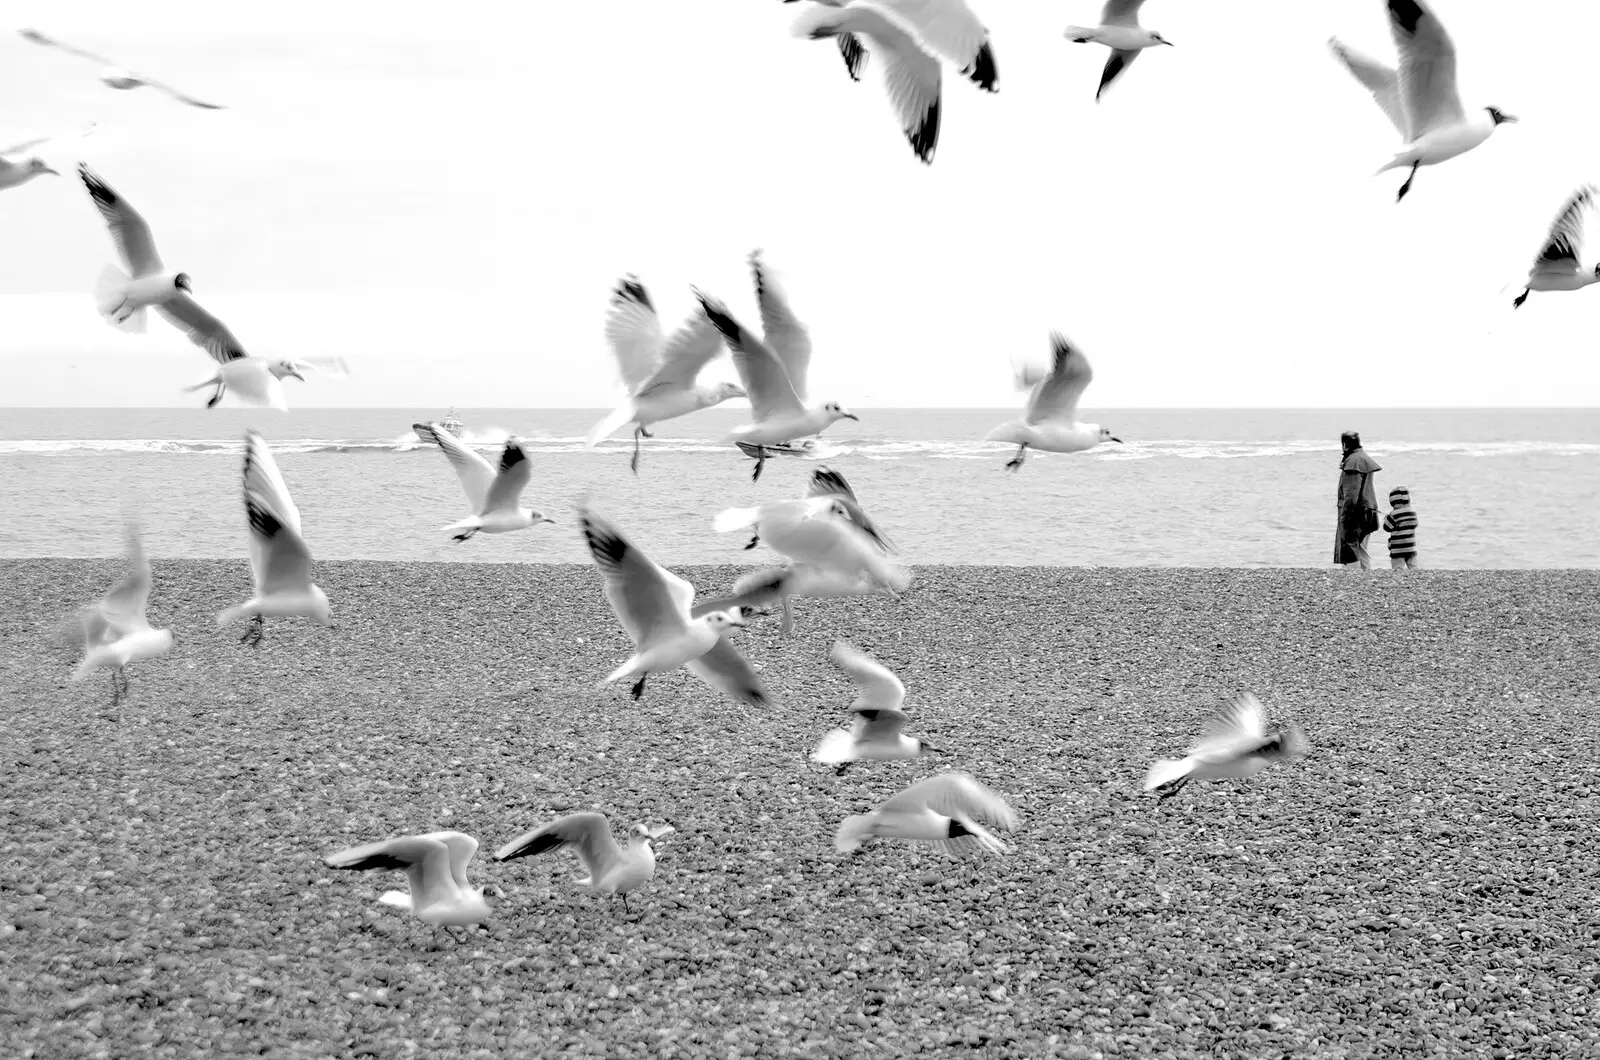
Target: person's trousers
1402, 562
1363, 558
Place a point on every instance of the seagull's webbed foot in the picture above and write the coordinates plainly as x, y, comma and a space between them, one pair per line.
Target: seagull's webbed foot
645, 434
253, 633
215, 397
638, 686
755, 539
462, 537
1407, 185
761, 462
1516, 303
1015, 463
840, 769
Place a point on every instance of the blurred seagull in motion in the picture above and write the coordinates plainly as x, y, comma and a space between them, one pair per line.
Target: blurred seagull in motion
1234, 743
115, 76
879, 719
493, 493
774, 381
1556, 268
116, 631
435, 864
945, 809
1120, 31
612, 869
1420, 98
660, 375
279, 558
253, 380
653, 605
23, 170
825, 531
826, 482
1049, 420
910, 35
756, 592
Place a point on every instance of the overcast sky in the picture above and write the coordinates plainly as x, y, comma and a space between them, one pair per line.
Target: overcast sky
445, 195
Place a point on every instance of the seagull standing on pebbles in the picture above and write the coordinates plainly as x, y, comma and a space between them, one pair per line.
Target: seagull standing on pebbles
279, 557
435, 865
945, 809
1556, 268
1120, 31
114, 76
1421, 98
910, 35
1234, 744
611, 869
660, 375
653, 606
493, 493
116, 630
876, 732
1049, 421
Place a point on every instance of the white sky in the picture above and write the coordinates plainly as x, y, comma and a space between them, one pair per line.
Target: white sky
446, 195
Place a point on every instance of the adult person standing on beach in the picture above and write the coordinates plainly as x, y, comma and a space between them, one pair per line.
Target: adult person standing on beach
1357, 501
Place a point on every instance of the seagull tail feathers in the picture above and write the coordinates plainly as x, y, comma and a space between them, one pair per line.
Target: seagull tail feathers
853, 833
110, 298
91, 663
837, 746
1079, 33
603, 429
735, 519
398, 899
471, 522
1165, 771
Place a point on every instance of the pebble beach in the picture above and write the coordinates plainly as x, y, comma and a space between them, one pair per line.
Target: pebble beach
1423, 883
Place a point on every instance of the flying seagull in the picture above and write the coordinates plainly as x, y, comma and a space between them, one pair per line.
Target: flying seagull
116, 630
1420, 98
1120, 31
435, 864
1234, 743
757, 591
611, 869
659, 373
14, 173
1049, 420
945, 809
879, 715
1556, 268
115, 76
492, 492
826, 482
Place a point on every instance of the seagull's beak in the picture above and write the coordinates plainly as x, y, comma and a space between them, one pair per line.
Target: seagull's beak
1169, 44
926, 746
296, 373
52, 172
852, 416
547, 519
1508, 117
1114, 438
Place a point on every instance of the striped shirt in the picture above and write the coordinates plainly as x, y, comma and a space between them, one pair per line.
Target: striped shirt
1401, 526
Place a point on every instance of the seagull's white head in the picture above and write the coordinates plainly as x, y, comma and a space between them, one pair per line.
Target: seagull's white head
535, 516
285, 369
1107, 436
727, 392
839, 412
722, 621
1159, 39
183, 283
1498, 116
39, 165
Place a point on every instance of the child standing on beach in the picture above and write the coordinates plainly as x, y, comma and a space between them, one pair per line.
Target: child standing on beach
1401, 526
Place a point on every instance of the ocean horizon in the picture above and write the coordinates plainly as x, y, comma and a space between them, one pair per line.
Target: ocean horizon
1494, 488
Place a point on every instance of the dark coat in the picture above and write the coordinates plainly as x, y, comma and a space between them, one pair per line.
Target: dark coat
1356, 494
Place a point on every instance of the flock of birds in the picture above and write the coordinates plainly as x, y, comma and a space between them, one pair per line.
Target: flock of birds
830, 544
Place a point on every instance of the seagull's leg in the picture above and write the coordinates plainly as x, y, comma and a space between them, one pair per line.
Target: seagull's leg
761, 462
216, 397
638, 687
116, 689
638, 432
1516, 303
1016, 462
755, 539
1407, 185
788, 618
252, 633
644, 432
465, 534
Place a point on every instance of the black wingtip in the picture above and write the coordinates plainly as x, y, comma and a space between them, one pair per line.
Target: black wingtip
537, 845
262, 522
630, 288
1406, 14
983, 71
719, 316
926, 136
512, 455
606, 545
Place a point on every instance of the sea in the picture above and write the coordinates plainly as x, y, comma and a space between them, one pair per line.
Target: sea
1493, 488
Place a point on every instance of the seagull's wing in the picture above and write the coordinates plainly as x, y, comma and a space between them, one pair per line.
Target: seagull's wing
754, 590
262, 478
181, 97
826, 482
684, 354
1120, 13
1056, 396
784, 333
203, 329
765, 380
645, 596
23, 146
512, 479
1427, 68
285, 559
129, 230
911, 76
124, 606
424, 859
1565, 242
954, 794
1382, 81
461, 847
50, 42
477, 475
724, 669
633, 331
1240, 726
855, 56
877, 687
590, 833
879, 723
1118, 61
951, 29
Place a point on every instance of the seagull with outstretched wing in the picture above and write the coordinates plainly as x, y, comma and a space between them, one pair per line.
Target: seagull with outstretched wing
1050, 418
114, 76
493, 492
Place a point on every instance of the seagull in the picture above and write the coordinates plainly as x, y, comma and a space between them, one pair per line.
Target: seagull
1120, 31
115, 76
1556, 267
20, 172
612, 869
435, 864
254, 380
947, 809
1234, 743
825, 482
1421, 98
659, 374
879, 717
653, 606
760, 589
824, 531
492, 493
1049, 419
911, 35
778, 412
279, 557
116, 631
